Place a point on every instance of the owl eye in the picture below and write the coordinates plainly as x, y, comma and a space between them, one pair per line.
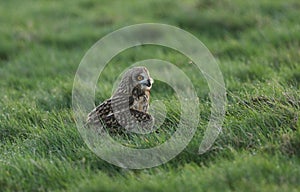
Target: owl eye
140, 77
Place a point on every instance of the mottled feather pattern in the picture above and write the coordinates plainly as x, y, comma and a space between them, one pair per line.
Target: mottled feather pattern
128, 107
140, 99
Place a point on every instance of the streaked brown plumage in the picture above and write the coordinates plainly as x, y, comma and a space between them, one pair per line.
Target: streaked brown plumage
128, 107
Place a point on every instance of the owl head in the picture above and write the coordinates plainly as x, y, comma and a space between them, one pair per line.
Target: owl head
136, 76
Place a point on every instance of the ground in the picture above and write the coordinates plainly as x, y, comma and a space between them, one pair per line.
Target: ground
256, 44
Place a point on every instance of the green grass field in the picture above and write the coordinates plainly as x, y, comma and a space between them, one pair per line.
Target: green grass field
256, 44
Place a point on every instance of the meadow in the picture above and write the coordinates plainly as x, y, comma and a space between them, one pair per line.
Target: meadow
257, 47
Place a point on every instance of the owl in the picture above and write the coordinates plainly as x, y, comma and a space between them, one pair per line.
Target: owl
128, 107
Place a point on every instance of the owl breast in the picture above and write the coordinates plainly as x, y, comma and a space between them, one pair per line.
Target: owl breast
141, 102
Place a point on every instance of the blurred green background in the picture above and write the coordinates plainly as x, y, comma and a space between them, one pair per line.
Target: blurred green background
256, 44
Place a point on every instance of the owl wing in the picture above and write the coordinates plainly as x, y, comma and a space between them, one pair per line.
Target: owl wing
110, 106
137, 118
113, 114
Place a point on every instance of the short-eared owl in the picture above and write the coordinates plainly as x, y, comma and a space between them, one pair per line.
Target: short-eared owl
128, 106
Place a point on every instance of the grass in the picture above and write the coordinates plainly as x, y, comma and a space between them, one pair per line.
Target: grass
256, 45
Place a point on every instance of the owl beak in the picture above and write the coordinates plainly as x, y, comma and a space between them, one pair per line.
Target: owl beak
147, 84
